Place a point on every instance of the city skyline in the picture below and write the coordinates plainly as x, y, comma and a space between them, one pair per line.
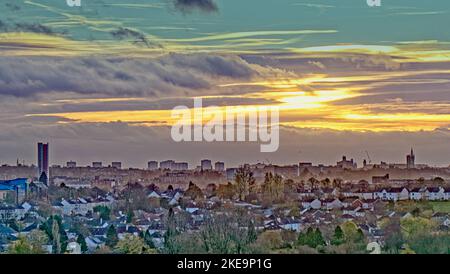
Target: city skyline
101, 80
44, 162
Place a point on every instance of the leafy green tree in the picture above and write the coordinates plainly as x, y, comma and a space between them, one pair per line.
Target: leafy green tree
133, 245
21, 246
82, 242
30, 244
338, 237
103, 211
312, 238
318, 238
111, 236
130, 216
416, 226
430, 244
55, 231
350, 230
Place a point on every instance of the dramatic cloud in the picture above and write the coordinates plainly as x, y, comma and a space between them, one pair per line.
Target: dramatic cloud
26, 27
187, 6
172, 74
125, 33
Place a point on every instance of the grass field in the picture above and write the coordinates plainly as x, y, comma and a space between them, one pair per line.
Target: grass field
408, 206
441, 206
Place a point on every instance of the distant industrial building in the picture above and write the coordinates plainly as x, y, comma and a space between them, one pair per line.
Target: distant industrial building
17, 189
117, 165
180, 166
206, 165
346, 164
172, 165
166, 164
152, 165
231, 173
71, 164
97, 164
219, 166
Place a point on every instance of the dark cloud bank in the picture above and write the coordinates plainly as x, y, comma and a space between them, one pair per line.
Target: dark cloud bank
187, 6
169, 75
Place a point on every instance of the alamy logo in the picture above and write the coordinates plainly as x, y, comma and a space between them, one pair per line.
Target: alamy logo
228, 124
73, 3
374, 3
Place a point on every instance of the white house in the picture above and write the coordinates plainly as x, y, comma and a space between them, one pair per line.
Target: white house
394, 194
292, 224
312, 203
417, 194
435, 193
447, 193
94, 243
332, 204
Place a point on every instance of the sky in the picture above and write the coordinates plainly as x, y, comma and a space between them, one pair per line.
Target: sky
99, 81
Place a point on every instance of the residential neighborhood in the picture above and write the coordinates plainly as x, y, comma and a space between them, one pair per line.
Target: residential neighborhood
282, 213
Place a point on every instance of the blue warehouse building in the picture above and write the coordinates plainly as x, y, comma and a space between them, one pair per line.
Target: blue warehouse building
18, 187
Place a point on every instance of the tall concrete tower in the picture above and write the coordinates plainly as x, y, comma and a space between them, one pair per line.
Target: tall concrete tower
411, 160
43, 160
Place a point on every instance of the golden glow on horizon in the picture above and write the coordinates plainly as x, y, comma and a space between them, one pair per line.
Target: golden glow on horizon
296, 97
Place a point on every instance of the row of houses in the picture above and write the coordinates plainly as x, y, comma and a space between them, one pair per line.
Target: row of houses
390, 194
81, 206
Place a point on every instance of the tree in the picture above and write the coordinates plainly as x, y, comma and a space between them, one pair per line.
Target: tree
430, 244
31, 244
55, 231
273, 187
415, 226
56, 238
133, 245
226, 191
130, 216
38, 239
170, 237
252, 236
354, 238
244, 178
149, 239
224, 234
103, 211
82, 242
268, 241
312, 238
194, 192
338, 237
350, 230
111, 237
21, 246
393, 237
318, 238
